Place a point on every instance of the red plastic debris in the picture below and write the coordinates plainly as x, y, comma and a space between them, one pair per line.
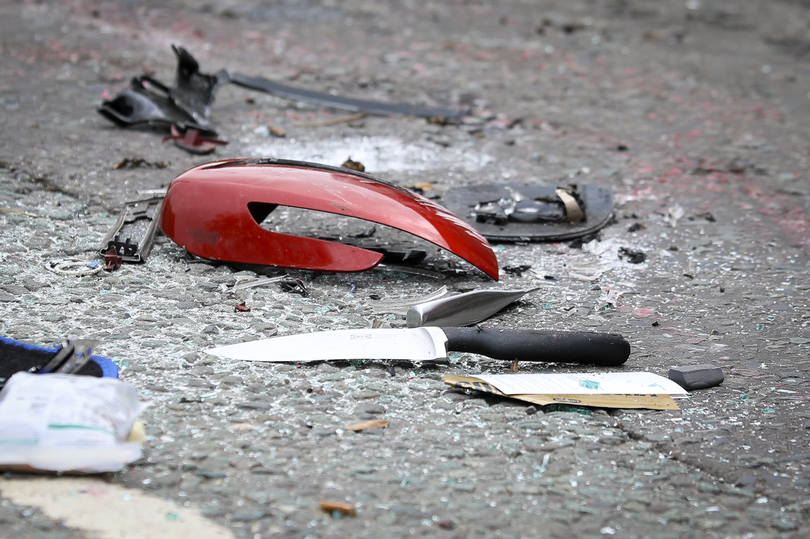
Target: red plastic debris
193, 142
242, 308
112, 260
215, 211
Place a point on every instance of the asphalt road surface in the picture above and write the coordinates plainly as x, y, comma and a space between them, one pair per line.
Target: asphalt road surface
694, 114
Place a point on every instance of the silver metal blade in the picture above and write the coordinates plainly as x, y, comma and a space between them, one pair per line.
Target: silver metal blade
417, 344
462, 309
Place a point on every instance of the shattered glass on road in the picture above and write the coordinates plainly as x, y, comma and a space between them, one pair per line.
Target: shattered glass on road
693, 113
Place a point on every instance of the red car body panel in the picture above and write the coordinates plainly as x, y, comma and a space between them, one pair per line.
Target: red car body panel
206, 212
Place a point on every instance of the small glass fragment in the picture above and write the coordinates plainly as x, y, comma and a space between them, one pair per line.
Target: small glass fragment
330, 507
368, 425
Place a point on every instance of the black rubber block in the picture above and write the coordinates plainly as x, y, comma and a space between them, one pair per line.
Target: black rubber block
696, 376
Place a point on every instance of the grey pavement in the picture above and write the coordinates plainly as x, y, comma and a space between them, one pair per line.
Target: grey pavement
694, 113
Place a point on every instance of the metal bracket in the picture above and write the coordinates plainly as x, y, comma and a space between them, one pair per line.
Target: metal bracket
572, 210
71, 357
134, 232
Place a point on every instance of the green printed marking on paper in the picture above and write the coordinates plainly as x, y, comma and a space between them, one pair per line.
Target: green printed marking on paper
589, 384
61, 426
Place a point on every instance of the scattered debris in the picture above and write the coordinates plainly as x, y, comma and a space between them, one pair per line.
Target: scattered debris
441, 120
518, 208
353, 165
605, 259
194, 142
634, 257
276, 131
611, 299
73, 267
333, 121
735, 166
573, 211
112, 260
252, 282
602, 390
295, 286
462, 309
517, 270
159, 192
599, 248
705, 215
421, 187
338, 102
288, 284
534, 212
242, 308
133, 233
368, 425
72, 356
587, 238
138, 162
204, 211
149, 102
696, 376
586, 272
673, 214
19, 211
635, 227
340, 508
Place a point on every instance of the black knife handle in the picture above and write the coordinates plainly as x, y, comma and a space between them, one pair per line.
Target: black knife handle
586, 348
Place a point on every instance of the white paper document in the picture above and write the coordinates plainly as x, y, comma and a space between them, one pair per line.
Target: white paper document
65, 422
610, 383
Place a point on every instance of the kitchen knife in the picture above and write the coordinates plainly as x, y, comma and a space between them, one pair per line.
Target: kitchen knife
433, 343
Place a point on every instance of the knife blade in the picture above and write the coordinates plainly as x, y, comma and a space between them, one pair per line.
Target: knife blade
434, 343
462, 309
